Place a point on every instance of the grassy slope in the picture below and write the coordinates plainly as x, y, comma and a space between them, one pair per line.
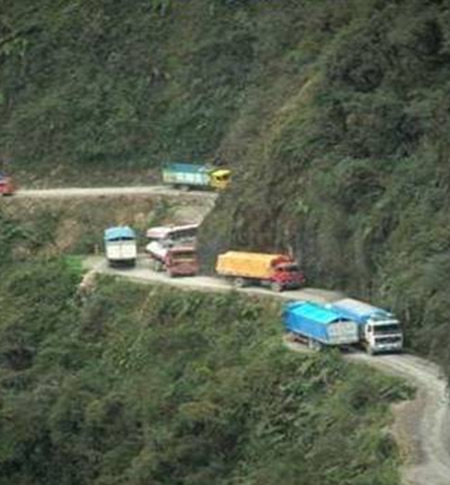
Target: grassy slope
143, 386
76, 225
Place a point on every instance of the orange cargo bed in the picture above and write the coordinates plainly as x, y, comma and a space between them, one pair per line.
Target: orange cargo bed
248, 265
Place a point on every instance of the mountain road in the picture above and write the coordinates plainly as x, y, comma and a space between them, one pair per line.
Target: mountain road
421, 426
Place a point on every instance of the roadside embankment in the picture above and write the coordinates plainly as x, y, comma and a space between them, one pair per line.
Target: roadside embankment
73, 220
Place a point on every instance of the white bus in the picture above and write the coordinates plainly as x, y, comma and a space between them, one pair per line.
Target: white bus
163, 238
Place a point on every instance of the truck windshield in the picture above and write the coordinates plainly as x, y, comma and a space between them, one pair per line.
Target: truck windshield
384, 329
182, 241
289, 268
222, 178
183, 256
120, 238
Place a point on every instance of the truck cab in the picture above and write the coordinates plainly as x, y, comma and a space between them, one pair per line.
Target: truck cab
383, 333
286, 275
181, 261
220, 179
380, 331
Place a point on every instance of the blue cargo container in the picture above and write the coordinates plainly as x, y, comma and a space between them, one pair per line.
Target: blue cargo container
319, 325
123, 233
186, 175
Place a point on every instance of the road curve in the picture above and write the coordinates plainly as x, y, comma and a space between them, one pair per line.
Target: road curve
421, 426
108, 192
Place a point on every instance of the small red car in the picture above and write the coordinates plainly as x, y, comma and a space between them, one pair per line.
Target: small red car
7, 186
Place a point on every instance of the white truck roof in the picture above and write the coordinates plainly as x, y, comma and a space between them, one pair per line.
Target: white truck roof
162, 232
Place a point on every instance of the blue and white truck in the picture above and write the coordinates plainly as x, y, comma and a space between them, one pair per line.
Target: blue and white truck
318, 325
379, 330
120, 246
196, 176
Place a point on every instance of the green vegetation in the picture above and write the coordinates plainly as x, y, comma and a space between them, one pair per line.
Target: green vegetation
76, 226
347, 160
333, 116
101, 91
138, 385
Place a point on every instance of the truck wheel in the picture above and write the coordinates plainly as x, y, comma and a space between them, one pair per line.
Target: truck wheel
275, 286
185, 188
157, 266
239, 282
314, 345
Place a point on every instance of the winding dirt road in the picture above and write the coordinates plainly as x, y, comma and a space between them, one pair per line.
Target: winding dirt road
421, 426
109, 192
143, 274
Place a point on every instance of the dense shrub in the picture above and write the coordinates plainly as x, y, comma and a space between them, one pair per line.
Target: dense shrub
146, 385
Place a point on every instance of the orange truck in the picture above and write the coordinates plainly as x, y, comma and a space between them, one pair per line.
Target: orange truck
278, 271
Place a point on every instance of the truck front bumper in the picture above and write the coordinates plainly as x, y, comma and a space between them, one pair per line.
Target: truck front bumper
385, 349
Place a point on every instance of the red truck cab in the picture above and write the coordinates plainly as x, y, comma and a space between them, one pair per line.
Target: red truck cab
7, 186
181, 261
286, 275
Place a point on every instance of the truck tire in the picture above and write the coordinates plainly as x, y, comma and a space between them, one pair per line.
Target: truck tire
314, 345
275, 286
239, 282
157, 266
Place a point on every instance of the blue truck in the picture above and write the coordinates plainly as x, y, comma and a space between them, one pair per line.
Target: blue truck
379, 330
318, 325
190, 175
120, 246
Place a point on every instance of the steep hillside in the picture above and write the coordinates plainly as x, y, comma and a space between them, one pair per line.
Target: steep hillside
333, 115
75, 225
117, 84
351, 171
132, 385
